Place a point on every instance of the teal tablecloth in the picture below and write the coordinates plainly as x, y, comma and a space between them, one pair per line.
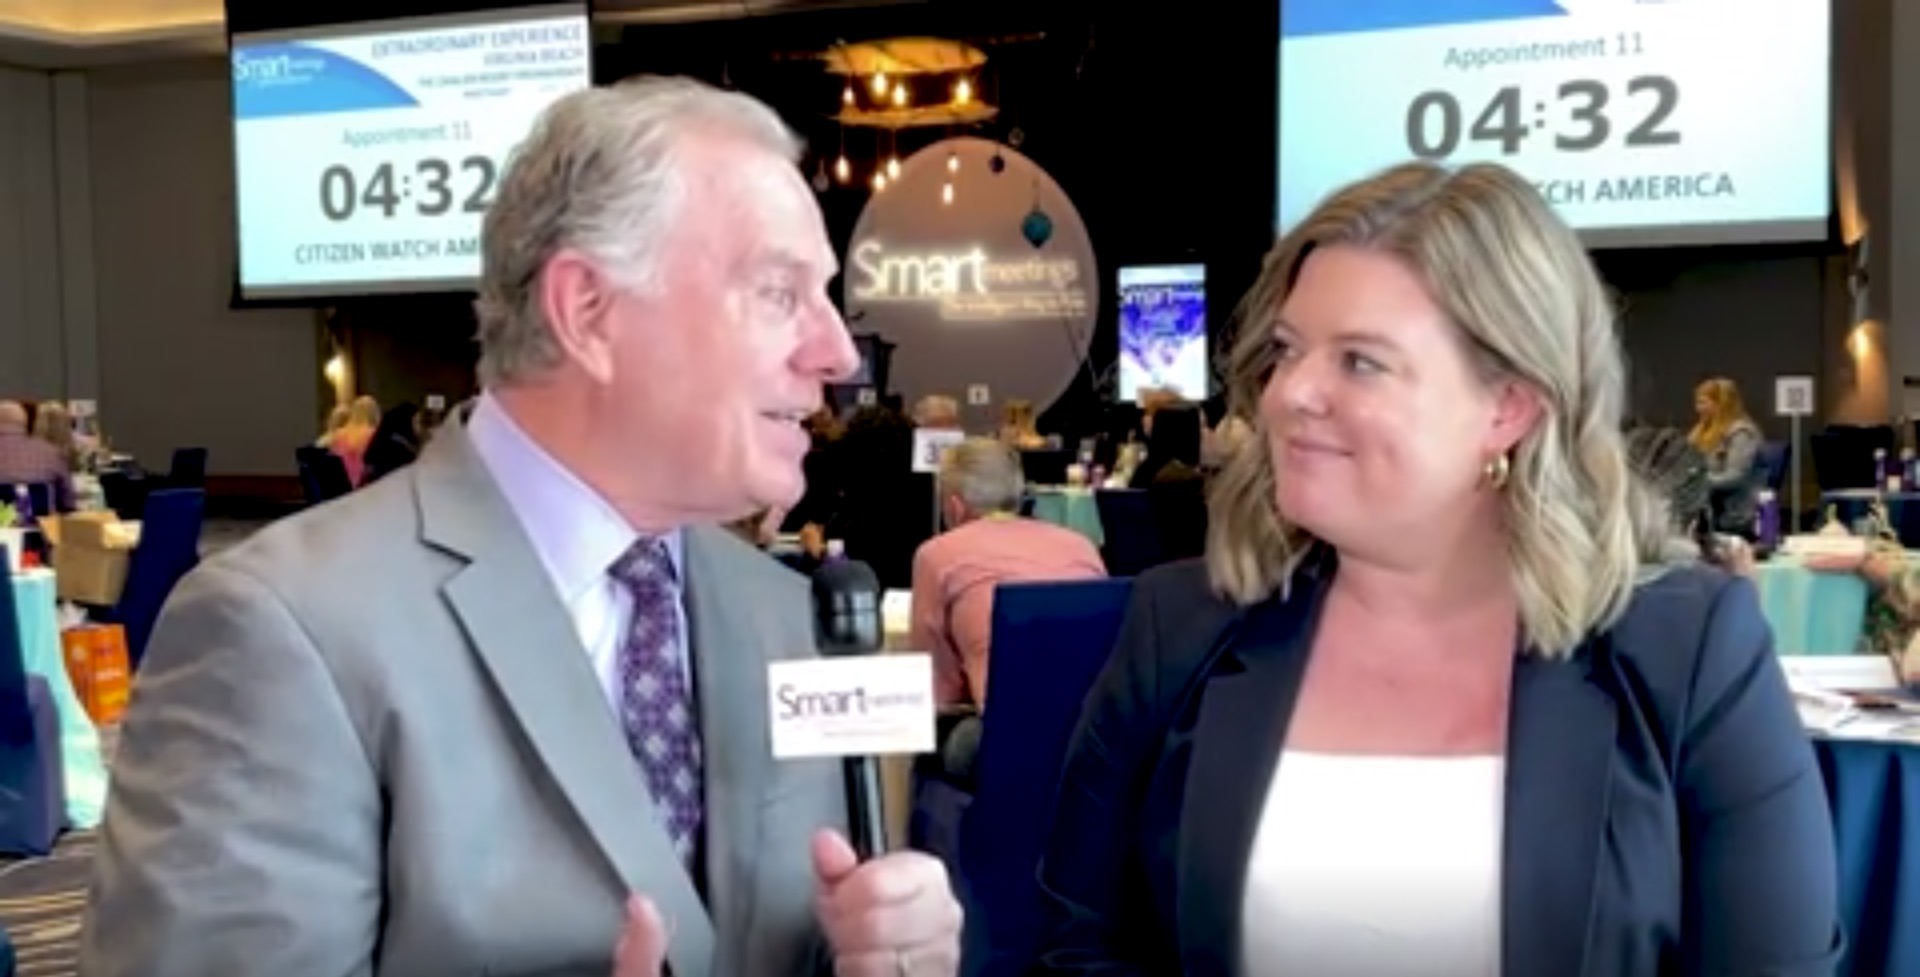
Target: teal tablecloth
86, 774
1811, 613
1073, 508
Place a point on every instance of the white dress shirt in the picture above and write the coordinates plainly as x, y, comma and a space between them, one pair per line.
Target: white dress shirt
1387, 866
577, 535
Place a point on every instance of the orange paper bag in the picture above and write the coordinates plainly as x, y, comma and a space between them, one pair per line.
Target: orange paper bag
97, 666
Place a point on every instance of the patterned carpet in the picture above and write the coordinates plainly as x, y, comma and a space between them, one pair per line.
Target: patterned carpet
40, 903
41, 898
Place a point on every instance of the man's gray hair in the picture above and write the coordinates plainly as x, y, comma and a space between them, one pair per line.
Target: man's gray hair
985, 474
598, 173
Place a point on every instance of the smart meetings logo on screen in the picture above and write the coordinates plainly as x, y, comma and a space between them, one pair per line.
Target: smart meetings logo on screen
1304, 18
272, 80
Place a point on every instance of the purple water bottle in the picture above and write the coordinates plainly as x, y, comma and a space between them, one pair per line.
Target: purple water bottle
22, 507
1768, 519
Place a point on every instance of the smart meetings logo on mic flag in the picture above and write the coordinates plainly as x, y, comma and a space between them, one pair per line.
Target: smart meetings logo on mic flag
860, 705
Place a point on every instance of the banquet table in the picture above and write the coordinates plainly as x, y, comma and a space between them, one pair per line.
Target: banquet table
1849, 506
85, 771
1073, 508
1873, 788
1811, 613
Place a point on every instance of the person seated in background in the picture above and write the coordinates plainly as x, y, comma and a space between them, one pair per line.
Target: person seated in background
1730, 440
394, 445
822, 467
1019, 426
426, 423
25, 459
1893, 601
1219, 442
52, 424
1172, 478
1436, 702
1152, 401
1676, 471
1173, 447
987, 543
938, 412
336, 422
883, 512
350, 442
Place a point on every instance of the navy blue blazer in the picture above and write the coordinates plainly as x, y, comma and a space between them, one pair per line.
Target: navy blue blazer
1664, 815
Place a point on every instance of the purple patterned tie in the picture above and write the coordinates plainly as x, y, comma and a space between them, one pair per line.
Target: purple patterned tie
656, 702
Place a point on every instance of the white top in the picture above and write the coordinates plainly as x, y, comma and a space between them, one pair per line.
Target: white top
1386, 866
576, 534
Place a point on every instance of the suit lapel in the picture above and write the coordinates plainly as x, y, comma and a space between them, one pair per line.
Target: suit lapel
1244, 711
1559, 765
522, 636
730, 656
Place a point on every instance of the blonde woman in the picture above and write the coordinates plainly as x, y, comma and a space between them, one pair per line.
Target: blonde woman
1019, 426
1433, 704
350, 442
52, 424
1730, 440
336, 422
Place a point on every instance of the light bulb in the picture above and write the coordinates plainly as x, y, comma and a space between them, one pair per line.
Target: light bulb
843, 169
963, 91
879, 182
893, 168
879, 83
946, 194
953, 162
846, 95
900, 94
336, 368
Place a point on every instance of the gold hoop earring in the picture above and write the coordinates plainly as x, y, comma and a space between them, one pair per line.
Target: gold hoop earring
1498, 469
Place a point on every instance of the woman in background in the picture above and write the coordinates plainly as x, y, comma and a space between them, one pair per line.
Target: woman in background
336, 422
1436, 703
55, 426
1019, 426
1893, 602
394, 445
350, 442
1730, 440
1173, 447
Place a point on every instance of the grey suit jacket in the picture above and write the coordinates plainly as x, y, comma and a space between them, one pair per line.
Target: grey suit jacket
368, 741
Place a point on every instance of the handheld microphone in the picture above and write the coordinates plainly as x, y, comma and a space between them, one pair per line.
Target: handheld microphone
846, 603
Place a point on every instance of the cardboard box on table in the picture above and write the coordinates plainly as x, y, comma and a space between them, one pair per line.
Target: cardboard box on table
90, 555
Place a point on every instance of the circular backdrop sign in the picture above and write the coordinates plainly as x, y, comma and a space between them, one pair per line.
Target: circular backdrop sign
991, 284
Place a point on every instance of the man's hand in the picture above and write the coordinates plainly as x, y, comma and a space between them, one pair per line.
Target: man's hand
894, 916
642, 949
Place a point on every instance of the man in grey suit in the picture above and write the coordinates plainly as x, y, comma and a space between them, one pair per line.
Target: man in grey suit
506, 709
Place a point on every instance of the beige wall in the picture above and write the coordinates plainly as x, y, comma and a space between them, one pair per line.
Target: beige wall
116, 269
178, 365
32, 357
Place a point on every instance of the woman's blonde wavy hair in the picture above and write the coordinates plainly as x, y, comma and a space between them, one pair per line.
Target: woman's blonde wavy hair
1515, 280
